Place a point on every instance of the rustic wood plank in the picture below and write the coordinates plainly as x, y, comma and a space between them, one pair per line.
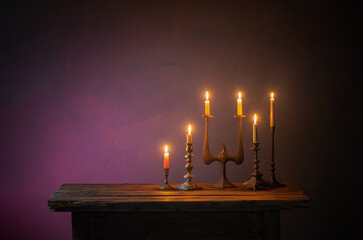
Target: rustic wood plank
146, 197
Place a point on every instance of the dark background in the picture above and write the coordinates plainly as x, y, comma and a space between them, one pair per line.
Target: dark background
91, 91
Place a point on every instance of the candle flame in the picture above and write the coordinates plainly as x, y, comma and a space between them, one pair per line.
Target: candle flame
239, 95
255, 119
206, 95
272, 95
166, 148
189, 129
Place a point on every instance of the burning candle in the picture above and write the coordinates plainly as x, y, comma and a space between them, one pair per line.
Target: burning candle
255, 139
272, 112
166, 157
239, 104
189, 135
207, 104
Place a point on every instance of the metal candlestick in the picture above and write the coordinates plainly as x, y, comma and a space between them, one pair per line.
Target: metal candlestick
256, 182
273, 182
223, 156
188, 184
166, 185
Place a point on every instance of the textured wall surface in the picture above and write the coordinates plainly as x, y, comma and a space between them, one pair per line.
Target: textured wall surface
91, 92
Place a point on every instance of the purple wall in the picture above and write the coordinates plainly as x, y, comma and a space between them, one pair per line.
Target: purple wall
90, 93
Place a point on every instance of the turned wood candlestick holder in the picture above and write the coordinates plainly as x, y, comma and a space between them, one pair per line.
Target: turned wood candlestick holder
166, 185
256, 182
223, 157
273, 181
189, 184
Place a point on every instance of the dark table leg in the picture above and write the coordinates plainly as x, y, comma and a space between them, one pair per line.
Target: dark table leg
80, 225
263, 225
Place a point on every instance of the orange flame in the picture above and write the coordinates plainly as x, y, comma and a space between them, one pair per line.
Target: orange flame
255, 119
189, 129
166, 148
206, 95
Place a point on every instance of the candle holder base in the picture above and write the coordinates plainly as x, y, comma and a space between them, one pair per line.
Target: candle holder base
256, 183
274, 183
223, 183
166, 185
188, 186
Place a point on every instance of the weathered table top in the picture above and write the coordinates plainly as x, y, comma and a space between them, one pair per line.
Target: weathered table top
146, 197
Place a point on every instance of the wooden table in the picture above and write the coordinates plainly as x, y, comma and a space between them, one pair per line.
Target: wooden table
140, 211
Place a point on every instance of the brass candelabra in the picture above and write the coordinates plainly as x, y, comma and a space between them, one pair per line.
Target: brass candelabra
223, 157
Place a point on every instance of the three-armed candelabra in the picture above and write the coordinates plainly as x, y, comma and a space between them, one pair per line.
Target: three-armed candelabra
223, 157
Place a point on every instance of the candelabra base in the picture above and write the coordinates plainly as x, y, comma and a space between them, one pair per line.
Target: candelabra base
166, 187
274, 183
223, 182
188, 186
256, 183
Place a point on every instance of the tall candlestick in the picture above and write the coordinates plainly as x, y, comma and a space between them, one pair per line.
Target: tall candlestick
273, 180
166, 158
272, 113
189, 135
255, 139
207, 104
239, 104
